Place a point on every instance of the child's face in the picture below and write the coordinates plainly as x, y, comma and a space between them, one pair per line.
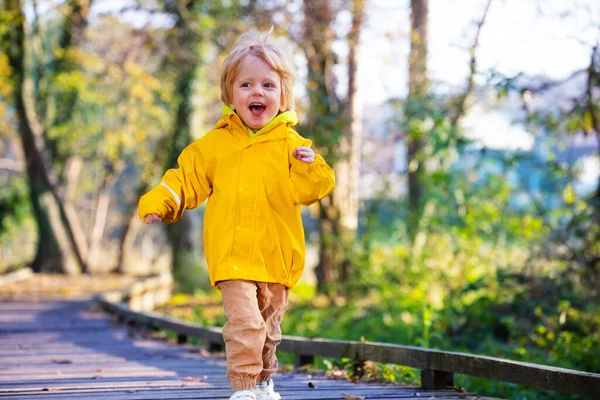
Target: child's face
256, 92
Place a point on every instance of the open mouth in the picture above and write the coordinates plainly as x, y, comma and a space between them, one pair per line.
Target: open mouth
257, 108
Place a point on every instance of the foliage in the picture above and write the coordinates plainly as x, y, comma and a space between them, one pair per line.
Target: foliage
122, 107
15, 223
14, 207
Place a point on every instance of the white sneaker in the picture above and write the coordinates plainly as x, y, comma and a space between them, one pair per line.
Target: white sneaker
243, 395
266, 392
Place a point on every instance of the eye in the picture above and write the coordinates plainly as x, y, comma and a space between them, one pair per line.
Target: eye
245, 84
269, 85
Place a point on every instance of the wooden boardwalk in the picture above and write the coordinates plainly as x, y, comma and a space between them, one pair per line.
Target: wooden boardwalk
68, 350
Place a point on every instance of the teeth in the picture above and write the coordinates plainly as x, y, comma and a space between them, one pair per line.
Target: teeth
257, 105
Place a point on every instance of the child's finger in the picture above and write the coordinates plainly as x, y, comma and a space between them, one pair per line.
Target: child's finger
151, 218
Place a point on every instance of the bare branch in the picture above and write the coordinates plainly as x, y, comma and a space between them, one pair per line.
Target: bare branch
547, 85
126, 9
461, 106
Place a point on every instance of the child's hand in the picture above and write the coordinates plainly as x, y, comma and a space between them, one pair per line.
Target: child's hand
152, 218
304, 153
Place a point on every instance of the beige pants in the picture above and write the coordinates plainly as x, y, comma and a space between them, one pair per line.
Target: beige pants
254, 311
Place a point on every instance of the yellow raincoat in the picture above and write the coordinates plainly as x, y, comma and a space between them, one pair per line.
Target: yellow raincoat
252, 225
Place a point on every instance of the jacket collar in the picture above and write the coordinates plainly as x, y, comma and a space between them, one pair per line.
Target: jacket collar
230, 118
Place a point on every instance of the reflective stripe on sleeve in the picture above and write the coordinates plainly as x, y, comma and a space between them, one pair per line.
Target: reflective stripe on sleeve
175, 196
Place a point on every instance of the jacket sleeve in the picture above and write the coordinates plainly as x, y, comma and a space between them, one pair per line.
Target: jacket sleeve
181, 188
309, 182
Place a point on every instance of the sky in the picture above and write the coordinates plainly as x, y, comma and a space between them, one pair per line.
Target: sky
518, 36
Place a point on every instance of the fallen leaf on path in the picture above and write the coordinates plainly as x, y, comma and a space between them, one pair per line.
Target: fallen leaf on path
352, 397
194, 379
337, 374
200, 351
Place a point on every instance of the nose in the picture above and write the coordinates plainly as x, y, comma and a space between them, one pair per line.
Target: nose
257, 91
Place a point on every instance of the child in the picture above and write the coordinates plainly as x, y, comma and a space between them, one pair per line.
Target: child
256, 171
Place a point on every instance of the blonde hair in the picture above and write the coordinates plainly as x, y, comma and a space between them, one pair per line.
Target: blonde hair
255, 44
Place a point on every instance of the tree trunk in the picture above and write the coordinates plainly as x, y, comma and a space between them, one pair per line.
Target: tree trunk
56, 113
56, 248
418, 88
336, 127
71, 177
324, 124
100, 218
348, 167
330, 255
127, 239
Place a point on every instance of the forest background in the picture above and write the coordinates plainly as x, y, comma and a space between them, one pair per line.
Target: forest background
466, 215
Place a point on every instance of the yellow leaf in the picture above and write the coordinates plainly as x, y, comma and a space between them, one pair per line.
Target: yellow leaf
59, 52
569, 194
587, 124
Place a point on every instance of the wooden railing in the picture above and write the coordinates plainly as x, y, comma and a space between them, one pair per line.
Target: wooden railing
437, 367
144, 295
16, 276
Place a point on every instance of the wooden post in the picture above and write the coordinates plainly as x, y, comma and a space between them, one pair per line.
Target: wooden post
358, 369
181, 338
301, 360
215, 347
433, 379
